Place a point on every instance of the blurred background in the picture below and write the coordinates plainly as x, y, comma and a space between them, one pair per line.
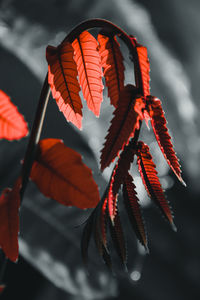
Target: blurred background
50, 265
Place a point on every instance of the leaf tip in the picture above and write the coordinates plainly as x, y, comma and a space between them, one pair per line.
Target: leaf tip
182, 181
174, 228
146, 249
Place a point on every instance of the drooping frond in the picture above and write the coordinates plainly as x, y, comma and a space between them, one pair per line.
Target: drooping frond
162, 135
133, 209
151, 181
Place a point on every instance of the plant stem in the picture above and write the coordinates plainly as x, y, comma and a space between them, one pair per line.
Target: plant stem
35, 135
30, 152
129, 40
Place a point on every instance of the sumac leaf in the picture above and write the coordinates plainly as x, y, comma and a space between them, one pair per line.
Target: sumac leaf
163, 138
144, 69
112, 200
133, 209
62, 78
123, 165
9, 221
151, 181
59, 173
123, 125
12, 124
112, 63
103, 222
88, 63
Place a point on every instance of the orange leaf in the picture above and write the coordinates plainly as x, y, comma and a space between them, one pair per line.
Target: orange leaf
12, 124
62, 78
126, 119
103, 222
133, 209
151, 181
60, 174
123, 165
144, 69
112, 200
9, 221
163, 138
88, 63
112, 63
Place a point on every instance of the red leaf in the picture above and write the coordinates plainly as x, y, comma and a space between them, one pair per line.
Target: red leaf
112, 63
60, 174
123, 165
112, 200
88, 63
151, 181
163, 138
133, 209
12, 124
62, 78
144, 69
119, 174
103, 221
9, 221
126, 119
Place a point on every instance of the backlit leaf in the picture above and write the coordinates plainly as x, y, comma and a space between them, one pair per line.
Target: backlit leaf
103, 222
112, 63
12, 124
123, 165
151, 181
62, 78
144, 69
9, 221
123, 125
159, 125
112, 200
88, 63
60, 174
133, 209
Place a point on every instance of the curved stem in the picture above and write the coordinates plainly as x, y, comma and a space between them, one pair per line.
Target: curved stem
30, 152
35, 135
130, 41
